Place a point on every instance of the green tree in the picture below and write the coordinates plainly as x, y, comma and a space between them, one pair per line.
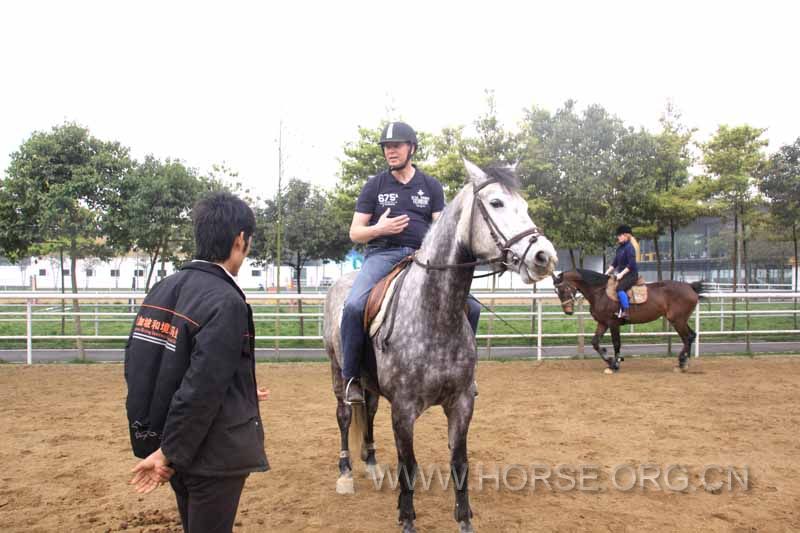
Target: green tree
493, 144
152, 211
733, 158
569, 164
780, 183
310, 230
58, 191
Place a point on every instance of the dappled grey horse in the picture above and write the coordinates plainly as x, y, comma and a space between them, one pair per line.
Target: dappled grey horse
425, 352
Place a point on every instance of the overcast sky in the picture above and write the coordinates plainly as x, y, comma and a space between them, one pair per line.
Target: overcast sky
210, 82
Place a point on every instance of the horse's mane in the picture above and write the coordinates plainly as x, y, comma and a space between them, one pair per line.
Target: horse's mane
592, 278
504, 175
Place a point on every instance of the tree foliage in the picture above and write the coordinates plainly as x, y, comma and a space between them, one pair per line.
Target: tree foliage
58, 193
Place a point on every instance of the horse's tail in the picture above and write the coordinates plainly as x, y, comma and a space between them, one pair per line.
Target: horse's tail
699, 288
358, 428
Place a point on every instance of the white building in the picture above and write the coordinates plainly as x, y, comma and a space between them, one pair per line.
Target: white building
130, 273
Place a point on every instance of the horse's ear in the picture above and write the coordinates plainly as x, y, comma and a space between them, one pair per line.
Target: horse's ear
475, 174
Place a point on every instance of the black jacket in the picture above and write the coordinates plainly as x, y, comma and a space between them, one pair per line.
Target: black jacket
190, 370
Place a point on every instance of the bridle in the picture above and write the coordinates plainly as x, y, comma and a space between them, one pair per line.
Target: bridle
507, 258
573, 292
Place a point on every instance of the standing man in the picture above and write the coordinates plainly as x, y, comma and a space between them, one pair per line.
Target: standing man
190, 368
392, 215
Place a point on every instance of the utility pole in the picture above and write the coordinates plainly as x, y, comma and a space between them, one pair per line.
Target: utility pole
279, 202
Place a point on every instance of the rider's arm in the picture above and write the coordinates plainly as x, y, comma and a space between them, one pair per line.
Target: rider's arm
361, 232
435, 215
609, 270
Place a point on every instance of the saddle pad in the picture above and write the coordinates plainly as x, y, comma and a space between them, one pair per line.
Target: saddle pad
636, 294
375, 325
380, 295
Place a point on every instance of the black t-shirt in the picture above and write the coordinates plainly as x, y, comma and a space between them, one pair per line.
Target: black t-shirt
419, 199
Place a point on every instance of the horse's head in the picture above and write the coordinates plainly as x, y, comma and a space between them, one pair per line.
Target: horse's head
500, 230
566, 292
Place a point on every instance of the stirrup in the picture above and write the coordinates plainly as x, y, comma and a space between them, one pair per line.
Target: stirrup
353, 387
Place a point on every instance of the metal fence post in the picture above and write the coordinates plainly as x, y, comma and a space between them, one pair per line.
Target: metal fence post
538, 330
29, 330
697, 331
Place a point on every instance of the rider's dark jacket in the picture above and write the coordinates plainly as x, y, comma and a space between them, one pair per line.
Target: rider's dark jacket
626, 257
190, 370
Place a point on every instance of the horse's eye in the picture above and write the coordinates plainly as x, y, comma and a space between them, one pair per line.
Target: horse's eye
496, 203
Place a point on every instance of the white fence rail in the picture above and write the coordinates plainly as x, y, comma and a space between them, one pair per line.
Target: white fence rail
30, 300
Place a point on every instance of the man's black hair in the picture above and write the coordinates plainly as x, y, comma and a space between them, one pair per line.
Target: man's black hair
218, 218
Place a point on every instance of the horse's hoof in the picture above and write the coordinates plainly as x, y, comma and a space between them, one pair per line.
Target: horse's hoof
373, 471
344, 485
608, 371
676, 369
408, 527
465, 527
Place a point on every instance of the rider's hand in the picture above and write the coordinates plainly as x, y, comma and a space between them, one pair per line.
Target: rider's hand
620, 276
391, 226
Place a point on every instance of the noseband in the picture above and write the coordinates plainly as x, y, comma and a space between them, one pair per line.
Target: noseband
507, 256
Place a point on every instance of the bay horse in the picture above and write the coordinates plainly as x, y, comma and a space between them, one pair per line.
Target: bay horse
425, 351
675, 300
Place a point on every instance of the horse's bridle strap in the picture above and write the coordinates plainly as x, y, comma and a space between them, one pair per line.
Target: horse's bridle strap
503, 244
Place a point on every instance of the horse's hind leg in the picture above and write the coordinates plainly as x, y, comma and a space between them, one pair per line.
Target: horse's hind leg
613, 362
459, 415
368, 448
403, 424
687, 336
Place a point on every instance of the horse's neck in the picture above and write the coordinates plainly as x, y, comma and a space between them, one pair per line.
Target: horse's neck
445, 289
591, 293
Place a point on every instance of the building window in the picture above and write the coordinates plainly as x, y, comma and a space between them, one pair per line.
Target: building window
65, 271
139, 273
89, 272
162, 273
256, 273
114, 272
42, 272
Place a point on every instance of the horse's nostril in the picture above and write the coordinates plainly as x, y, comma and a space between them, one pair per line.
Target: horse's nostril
541, 258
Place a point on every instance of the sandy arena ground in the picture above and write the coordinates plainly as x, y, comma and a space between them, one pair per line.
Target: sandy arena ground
65, 454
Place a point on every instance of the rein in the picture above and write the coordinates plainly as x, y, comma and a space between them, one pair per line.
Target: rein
503, 244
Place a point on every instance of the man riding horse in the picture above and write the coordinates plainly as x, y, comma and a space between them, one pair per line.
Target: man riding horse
393, 212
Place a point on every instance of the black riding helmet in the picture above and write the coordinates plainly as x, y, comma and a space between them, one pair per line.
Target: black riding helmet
623, 229
398, 132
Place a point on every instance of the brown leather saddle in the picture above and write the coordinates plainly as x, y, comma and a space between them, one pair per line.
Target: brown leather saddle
636, 294
379, 291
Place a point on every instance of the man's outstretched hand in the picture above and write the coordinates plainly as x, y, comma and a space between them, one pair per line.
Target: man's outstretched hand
151, 472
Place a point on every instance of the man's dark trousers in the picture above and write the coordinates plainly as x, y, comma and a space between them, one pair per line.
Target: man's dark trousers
207, 504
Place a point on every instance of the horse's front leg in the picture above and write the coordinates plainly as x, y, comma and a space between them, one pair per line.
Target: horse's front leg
344, 414
403, 425
459, 415
368, 448
598, 335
